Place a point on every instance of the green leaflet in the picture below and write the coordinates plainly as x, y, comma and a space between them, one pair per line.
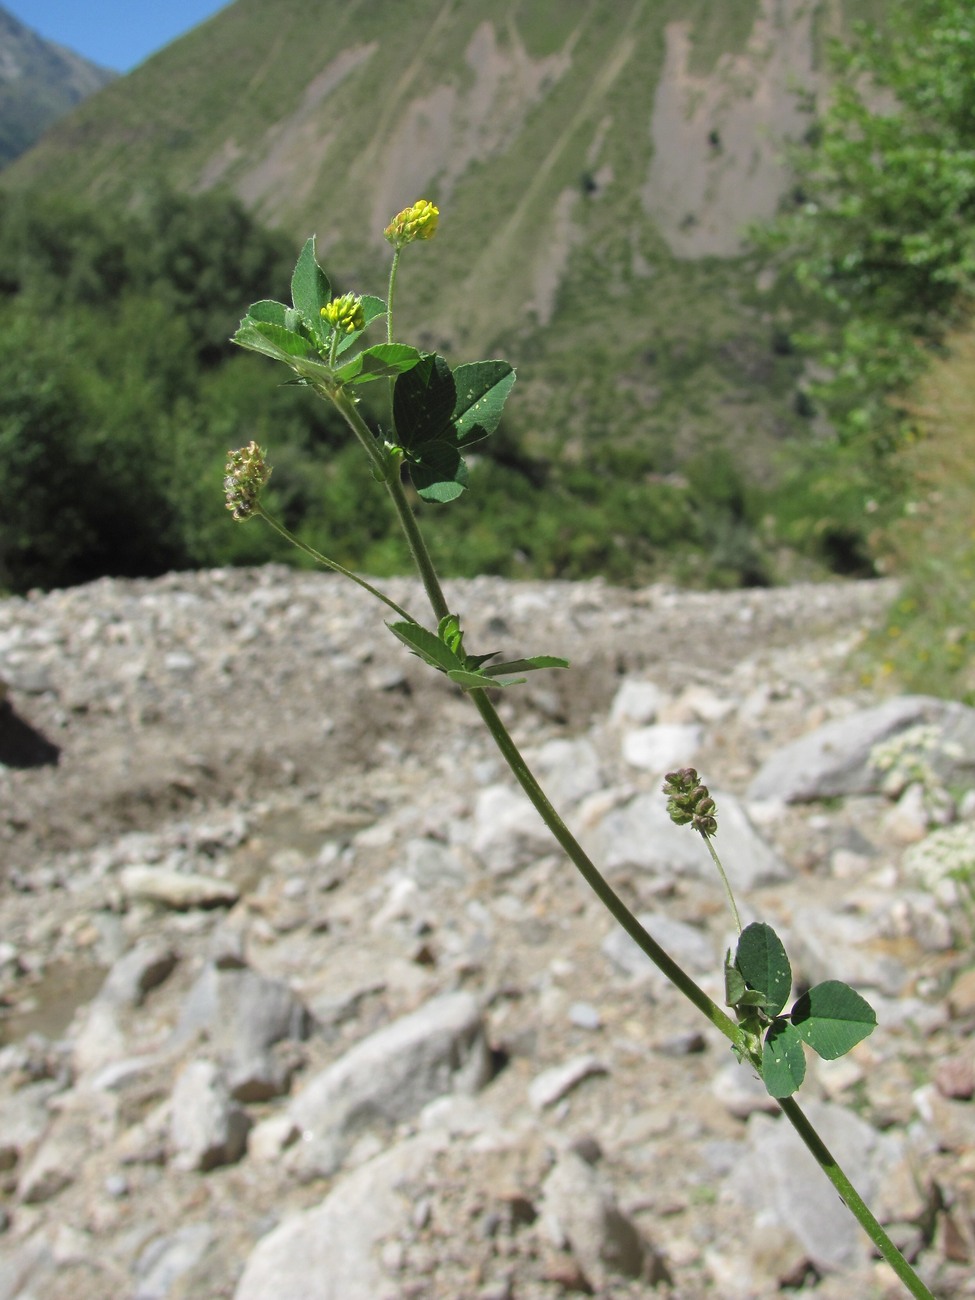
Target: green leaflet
380, 361
310, 290
832, 1018
783, 1062
482, 388
763, 963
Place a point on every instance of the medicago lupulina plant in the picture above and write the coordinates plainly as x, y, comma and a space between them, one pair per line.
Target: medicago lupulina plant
435, 414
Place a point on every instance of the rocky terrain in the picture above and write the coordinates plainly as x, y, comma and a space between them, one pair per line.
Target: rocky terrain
299, 1001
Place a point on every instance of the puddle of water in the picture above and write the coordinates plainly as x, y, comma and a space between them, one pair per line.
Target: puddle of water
47, 1006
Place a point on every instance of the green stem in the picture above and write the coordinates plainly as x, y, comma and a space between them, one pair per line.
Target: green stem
418, 547
725, 881
393, 268
594, 879
374, 450
330, 564
848, 1193
644, 940
389, 467
391, 289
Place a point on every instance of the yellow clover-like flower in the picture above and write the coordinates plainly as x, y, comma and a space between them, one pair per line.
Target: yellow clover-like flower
416, 222
345, 314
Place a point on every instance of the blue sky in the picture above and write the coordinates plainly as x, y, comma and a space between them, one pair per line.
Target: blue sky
115, 33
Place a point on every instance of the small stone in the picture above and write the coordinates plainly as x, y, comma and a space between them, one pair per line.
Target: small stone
579, 1209
552, 1085
585, 1016
954, 1076
961, 999
206, 1128
636, 702
179, 890
55, 1163
272, 1136
141, 969
663, 746
166, 1259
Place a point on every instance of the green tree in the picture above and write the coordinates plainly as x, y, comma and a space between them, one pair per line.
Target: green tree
880, 235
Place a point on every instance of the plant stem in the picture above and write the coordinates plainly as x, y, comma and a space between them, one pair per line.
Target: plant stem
725, 881
388, 466
393, 268
330, 564
594, 878
644, 940
853, 1200
418, 547
347, 409
390, 291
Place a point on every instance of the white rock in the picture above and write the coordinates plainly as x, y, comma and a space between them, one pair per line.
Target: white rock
552, 1085
331, 1252
206, 1128
835, 758
391, 1075
508, 833
663, 746
636, 702
176, 889
579, 1210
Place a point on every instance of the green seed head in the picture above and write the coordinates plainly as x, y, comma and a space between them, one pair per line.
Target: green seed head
689, 801
247, 473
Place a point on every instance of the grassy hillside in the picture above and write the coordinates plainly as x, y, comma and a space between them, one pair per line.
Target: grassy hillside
594, 163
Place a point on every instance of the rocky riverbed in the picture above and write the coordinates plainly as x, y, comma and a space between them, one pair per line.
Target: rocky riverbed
299, 1000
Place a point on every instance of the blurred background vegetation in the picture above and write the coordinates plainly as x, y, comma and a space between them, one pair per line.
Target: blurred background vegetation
120, 393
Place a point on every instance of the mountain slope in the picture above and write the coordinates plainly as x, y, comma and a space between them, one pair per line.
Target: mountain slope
594, 163
39, 82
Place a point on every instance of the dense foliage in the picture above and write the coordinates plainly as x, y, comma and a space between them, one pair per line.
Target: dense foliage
880, 236
120, 394
879, 244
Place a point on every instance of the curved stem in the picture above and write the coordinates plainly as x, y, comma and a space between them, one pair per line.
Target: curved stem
594, 878
330, 564
389, 469
854, 1201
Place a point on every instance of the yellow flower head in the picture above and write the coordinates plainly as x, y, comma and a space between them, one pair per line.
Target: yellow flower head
416, 222
345, 314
